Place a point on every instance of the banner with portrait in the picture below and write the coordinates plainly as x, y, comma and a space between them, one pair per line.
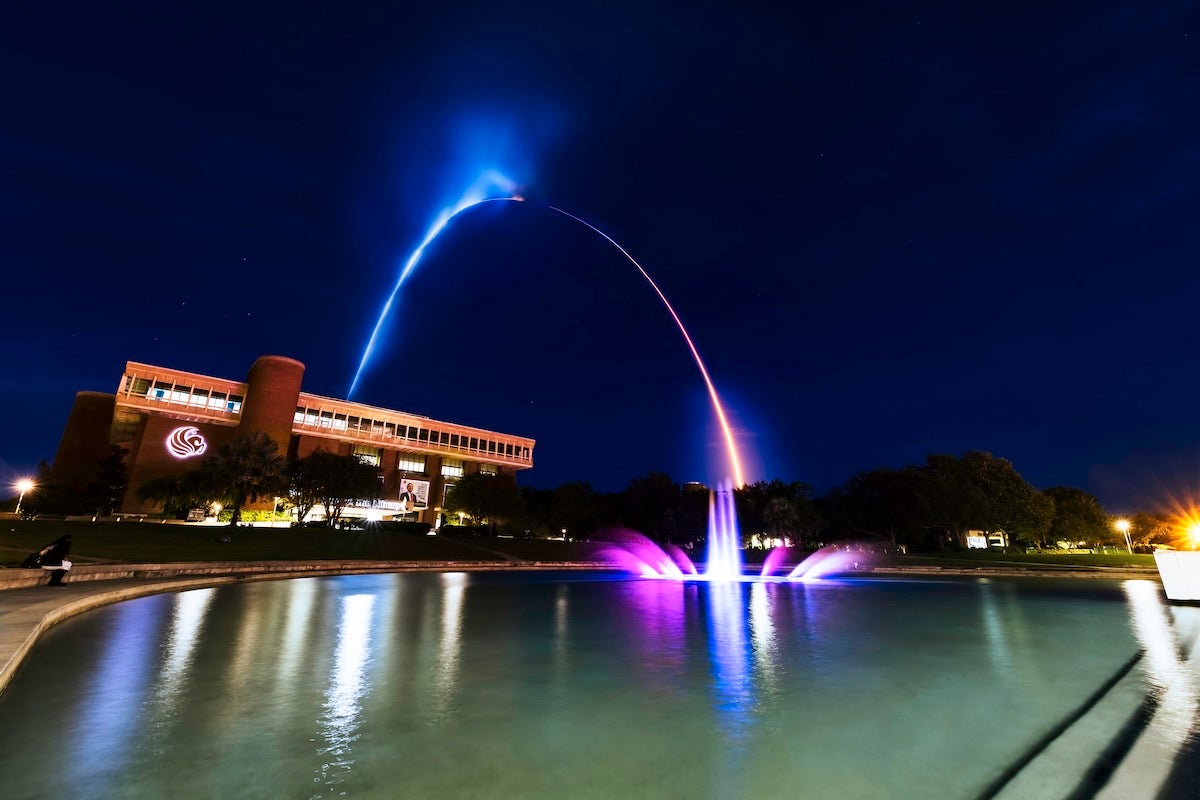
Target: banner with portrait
414, 495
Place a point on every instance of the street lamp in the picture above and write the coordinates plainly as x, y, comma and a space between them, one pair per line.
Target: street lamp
24, 485
1193, 533
1123, 526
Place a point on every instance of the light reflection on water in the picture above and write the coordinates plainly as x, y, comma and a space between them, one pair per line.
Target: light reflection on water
347, 685
187, 620
446, 680
112, 702
1170, 641
470, 685
301, 600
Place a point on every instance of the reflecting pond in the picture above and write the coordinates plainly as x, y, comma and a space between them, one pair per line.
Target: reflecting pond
554, 685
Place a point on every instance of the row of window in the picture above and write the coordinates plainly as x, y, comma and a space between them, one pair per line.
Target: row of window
166, 392
390, 430
412, 464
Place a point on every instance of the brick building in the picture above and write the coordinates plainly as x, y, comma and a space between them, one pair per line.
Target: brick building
168, 419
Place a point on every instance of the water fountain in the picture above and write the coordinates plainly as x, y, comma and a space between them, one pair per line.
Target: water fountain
638, 555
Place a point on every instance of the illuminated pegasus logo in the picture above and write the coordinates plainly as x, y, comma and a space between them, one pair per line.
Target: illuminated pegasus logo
186, 443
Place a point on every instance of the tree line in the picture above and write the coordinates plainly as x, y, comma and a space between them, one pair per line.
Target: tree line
937, 504
934, 505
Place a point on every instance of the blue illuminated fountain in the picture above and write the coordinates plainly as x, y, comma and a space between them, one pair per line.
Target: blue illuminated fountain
638, 555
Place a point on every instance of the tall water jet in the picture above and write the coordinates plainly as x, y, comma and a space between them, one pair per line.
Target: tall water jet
724, 553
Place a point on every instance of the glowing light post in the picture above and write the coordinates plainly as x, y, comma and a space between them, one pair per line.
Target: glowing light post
24, 485
1193, 533
1123, 526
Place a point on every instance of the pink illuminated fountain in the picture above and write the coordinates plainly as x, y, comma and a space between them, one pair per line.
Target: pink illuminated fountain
638, 555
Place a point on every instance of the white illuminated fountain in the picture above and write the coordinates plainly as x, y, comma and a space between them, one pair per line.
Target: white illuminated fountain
724, 554
638, 555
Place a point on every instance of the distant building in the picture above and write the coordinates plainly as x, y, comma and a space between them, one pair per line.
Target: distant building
169, 419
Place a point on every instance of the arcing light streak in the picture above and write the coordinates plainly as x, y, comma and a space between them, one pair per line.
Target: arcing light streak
476, 197
469, 200
734, 461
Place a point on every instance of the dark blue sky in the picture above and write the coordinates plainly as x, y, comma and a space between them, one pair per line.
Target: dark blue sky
892, 229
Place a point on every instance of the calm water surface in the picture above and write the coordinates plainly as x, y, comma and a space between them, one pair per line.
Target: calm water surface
557, 686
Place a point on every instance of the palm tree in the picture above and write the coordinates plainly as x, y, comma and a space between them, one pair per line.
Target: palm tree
246, 469
177, 493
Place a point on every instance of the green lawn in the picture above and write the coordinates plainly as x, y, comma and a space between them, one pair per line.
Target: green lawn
983, 558
149, 542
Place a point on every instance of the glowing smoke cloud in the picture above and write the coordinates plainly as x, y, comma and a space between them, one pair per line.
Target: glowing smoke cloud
734, 460
477, 194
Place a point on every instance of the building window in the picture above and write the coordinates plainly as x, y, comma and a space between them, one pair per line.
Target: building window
410, 462
367, 455
452, 468
488, 469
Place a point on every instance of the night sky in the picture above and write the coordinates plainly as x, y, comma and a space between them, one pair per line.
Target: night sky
892, 229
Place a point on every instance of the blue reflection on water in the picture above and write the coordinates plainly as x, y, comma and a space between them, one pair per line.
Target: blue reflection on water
113, 704
733, 683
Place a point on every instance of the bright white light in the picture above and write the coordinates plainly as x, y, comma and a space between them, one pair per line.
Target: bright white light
186, 442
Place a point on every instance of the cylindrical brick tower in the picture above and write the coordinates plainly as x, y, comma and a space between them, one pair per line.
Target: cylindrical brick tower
271, 395
84, 441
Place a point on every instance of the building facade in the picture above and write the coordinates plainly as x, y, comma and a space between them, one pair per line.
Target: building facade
168, 419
